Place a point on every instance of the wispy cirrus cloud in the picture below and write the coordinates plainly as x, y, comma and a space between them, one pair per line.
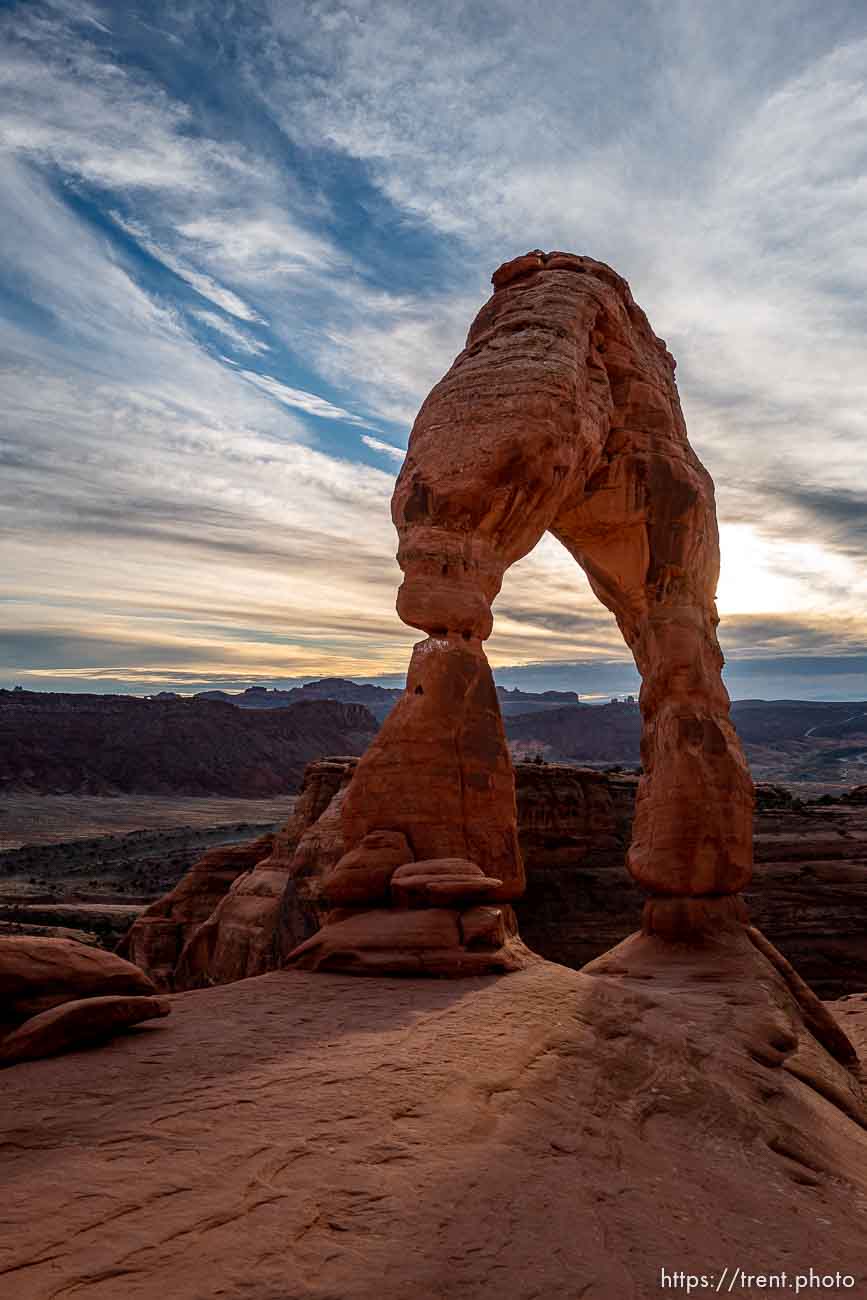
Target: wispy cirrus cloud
376, 444
301, 401
198, 280
241, 341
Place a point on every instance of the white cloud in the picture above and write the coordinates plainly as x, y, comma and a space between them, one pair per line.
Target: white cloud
303, 401
63, 101
376, 444
262, 242
148, 491
203, 284
243, 342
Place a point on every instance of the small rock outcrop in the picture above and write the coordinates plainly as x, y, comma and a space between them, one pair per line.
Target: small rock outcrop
38, 973
157, 938
56, 994
428, 922
77, 1024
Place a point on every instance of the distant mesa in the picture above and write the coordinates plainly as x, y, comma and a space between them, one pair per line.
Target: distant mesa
105, 744
379, 699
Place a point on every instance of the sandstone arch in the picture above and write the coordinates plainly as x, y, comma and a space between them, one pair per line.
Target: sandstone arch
561, 415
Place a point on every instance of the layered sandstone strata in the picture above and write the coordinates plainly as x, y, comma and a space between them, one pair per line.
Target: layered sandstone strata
399, 916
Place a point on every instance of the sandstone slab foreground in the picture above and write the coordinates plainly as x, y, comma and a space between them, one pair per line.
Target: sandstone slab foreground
547, 1134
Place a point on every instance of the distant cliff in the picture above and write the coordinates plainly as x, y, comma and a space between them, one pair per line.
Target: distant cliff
52, 743
379, 699
784, 740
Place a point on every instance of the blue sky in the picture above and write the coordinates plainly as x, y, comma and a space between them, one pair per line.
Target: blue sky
239, 243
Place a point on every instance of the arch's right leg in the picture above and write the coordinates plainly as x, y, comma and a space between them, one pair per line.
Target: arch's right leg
646, 536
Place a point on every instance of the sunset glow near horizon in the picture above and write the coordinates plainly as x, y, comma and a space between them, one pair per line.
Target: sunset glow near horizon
238, 247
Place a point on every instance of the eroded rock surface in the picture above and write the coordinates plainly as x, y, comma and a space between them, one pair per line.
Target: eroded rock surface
439, 771
411, 918
562, 415
808, 894
549, 1134
157, 938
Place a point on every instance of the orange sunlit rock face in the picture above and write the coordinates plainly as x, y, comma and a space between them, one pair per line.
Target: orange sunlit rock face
561, 415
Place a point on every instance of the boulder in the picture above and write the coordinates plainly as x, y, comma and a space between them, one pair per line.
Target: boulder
363, 875
381, 941
440, 882
39, 973
77, 1024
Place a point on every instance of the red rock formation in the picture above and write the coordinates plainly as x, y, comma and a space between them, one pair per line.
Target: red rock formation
37, 974
236, 940
561, 415
402, 820
433, 927
439, 771
56, 993
239, 937
808, 894
319, 848
220, 922
157, 937
77, 1024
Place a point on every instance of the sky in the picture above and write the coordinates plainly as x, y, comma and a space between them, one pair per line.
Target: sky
239, 243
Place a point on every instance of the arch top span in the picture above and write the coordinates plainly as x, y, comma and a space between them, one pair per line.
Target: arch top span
561, 414
560, 377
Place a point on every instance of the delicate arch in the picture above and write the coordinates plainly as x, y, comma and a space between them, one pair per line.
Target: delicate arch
561, 414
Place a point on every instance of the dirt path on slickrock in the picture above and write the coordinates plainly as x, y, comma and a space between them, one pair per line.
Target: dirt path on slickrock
545, 1135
